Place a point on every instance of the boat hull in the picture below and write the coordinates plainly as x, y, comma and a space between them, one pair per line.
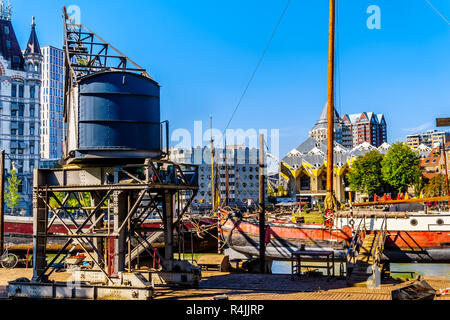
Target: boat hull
423, 240
19, 235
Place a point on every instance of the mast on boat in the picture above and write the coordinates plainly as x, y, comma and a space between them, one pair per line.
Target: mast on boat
262, 208
330, 200
212, 168
226, 175
445, 167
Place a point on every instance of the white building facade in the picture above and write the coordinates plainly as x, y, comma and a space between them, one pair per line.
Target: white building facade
20, 75
241, 167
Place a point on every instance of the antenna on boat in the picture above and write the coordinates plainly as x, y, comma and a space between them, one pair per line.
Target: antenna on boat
212, 168
262, 212
227, 180
330, 199
444, 122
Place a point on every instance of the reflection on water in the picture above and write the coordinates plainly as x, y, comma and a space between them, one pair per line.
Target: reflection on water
424, 269
284, 267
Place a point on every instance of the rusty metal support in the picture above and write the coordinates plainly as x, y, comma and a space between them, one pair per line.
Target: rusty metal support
125, 200
168, 230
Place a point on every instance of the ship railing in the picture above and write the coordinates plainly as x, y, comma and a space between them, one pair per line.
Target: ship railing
352, 249
379, 244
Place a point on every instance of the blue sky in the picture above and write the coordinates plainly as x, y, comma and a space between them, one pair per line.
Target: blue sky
203, 53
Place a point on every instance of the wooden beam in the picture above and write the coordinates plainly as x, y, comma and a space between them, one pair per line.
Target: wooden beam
330, 101
442, 122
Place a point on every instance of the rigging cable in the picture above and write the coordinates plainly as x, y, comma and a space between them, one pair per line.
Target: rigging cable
257, 65
437, 12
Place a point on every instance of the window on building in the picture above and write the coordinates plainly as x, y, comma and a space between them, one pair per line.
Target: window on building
14, 90
21, 107
305, 183
6, 30
32, 92
20, 130
31, 110
32, 130
20, 91
8, 44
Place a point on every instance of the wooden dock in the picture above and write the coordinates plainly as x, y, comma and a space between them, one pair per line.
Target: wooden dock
370, 247
245, 286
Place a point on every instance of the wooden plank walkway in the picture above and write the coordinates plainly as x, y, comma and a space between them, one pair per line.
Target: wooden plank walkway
245, 286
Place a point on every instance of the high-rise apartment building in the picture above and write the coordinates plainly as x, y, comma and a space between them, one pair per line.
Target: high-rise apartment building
52, 98
342, 134
366, 127
20, 72
430, 138
237, 171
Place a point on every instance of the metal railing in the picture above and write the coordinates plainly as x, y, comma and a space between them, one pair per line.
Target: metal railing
379, 244
360, 231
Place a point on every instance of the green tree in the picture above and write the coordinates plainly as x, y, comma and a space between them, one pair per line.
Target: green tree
12, 196
270, 191
400, 167
281, 191
418, 186
436, 187
365, 176
72, 202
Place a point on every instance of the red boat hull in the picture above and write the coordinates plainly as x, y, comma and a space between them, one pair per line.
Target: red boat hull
282, 239
19, 234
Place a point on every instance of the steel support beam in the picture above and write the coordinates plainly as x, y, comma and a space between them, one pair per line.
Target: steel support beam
96, 199
40, 217
66, 191
120, 204
168, 230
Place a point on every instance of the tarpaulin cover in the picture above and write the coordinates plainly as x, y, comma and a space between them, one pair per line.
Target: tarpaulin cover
419, 290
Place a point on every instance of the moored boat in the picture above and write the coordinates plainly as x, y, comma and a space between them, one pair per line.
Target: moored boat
19, 233
409, 236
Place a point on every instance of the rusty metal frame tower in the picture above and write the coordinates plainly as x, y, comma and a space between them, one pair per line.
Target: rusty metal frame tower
114, 199
112, 229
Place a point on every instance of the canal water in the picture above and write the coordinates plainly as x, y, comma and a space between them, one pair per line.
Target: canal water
401, 270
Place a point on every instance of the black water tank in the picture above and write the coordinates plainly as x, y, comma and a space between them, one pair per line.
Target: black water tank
119, 116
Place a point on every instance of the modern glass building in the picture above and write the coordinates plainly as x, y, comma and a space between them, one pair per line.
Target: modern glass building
52, 98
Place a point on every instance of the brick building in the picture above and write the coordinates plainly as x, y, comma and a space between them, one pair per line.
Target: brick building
366, 127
